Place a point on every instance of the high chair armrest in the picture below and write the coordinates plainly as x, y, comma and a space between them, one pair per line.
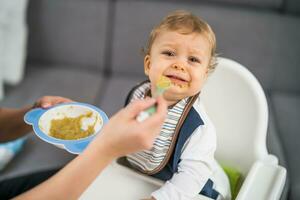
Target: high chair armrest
265, 180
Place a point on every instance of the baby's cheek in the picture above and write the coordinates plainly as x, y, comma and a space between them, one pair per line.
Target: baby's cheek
195, 88
151, 77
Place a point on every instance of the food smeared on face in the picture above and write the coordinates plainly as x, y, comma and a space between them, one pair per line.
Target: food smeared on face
162, 85
163, 82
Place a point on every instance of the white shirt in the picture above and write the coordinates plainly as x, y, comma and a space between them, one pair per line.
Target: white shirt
197, 165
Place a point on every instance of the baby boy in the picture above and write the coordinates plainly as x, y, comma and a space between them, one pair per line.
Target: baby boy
182, 49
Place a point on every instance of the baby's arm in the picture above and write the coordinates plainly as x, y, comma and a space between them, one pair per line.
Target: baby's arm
194, 169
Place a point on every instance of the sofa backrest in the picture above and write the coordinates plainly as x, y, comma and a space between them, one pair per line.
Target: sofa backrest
269, 4
69, 32
103, 34
262, 39
292, 6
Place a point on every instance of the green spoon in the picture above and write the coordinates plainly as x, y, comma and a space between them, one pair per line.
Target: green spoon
162, 85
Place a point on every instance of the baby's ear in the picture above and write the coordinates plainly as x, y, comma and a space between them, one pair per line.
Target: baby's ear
147, 64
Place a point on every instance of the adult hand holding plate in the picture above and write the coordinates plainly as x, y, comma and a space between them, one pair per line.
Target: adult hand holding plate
71, 126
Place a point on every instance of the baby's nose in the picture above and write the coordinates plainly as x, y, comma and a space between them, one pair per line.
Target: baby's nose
178, 66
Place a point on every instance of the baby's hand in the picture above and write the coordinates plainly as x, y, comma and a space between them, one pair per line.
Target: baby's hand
48, 101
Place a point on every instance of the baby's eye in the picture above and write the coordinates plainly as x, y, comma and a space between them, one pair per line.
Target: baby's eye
168, 53
194, 59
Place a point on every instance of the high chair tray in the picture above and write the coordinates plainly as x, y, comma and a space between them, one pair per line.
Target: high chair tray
120, 182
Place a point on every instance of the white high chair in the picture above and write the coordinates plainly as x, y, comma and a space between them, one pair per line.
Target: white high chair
236, 104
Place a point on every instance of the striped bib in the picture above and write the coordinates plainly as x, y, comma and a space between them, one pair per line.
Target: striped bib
148, 161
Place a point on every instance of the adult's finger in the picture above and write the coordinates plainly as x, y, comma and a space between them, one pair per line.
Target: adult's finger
159, 116
61, 100
134, 108
49, 101
161, 106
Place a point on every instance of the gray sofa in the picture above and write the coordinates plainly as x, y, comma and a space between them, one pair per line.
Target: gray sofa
90, 51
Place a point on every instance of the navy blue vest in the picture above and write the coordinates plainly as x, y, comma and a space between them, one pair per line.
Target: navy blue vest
191, 122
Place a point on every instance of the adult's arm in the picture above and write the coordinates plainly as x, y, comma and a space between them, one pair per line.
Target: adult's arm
122, 135
12, 124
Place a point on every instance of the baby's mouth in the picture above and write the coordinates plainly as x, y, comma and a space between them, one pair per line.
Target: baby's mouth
176, 80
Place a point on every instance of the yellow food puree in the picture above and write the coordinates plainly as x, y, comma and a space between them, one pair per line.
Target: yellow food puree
69, 128
163, 82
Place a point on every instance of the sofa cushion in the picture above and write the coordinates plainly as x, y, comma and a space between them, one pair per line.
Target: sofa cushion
274, 145
79, 85
292, 6
68, 32
261, 40
287, 113
116, 92
273, 140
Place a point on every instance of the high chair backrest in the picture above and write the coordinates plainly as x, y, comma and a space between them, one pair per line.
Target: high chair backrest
237, 106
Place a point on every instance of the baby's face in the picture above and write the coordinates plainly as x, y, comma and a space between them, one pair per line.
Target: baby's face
183, 58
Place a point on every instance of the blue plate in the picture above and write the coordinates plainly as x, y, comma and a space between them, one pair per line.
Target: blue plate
40, 119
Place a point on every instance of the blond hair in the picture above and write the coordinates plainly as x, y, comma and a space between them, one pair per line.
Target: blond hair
185, 23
